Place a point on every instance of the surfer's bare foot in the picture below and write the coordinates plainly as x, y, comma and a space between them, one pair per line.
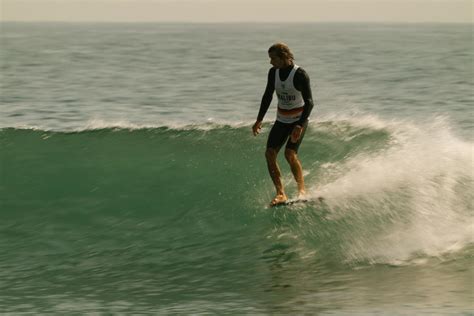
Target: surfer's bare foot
301, 194
279, 199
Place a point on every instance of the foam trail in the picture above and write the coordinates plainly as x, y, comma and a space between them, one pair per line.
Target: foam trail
422, 183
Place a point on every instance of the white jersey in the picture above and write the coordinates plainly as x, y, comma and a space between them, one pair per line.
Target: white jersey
290, 100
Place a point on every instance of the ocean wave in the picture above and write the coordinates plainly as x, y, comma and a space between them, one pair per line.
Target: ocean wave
394, 191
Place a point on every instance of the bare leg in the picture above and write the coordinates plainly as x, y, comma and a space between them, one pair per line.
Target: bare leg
275, 174
296, 169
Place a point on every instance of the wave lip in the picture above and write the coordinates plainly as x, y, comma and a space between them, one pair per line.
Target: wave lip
100, 124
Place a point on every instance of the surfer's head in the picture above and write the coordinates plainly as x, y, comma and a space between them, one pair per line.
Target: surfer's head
280, 55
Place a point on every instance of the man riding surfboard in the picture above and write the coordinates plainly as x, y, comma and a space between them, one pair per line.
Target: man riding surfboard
295, 102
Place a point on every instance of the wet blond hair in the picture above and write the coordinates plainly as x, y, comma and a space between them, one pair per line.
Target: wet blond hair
282, 50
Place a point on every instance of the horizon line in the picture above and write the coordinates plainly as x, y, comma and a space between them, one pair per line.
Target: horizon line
238, 22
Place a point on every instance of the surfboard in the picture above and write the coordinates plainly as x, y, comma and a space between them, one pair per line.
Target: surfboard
297, 201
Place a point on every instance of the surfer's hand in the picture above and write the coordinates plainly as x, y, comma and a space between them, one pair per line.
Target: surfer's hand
256, 128
296, 133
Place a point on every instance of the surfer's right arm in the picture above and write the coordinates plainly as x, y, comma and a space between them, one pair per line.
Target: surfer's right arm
266, 101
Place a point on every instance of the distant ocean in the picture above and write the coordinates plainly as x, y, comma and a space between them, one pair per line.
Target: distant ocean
130, 182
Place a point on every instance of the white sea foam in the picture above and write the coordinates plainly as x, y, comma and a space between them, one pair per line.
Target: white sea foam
423, 183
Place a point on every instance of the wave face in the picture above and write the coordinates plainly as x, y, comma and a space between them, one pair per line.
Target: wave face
166, 209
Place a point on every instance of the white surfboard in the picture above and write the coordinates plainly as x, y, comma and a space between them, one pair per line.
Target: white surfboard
298, 201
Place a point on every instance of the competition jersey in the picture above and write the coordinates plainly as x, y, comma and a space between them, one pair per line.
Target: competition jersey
290, 100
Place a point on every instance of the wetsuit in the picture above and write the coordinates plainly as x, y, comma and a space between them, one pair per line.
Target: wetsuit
294, 107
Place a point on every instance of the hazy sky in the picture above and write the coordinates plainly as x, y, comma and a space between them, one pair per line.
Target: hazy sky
239, 10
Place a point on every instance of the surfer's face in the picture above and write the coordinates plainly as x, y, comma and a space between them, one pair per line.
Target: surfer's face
276, 61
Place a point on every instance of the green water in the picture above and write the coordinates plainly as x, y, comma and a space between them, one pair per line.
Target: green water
173, 221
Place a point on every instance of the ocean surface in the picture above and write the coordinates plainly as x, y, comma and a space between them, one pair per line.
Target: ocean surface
130, 181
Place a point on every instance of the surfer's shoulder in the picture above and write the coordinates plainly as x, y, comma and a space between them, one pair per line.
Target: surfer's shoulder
301, 78
300, 72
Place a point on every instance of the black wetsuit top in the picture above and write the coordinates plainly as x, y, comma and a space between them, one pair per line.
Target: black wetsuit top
301, 83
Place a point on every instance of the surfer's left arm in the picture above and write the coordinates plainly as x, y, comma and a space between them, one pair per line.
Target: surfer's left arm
302, 83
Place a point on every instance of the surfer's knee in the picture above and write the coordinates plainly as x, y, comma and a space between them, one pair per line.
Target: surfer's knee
271, 154
291, 155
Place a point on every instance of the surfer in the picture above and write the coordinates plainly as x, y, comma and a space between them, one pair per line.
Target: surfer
295, 102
